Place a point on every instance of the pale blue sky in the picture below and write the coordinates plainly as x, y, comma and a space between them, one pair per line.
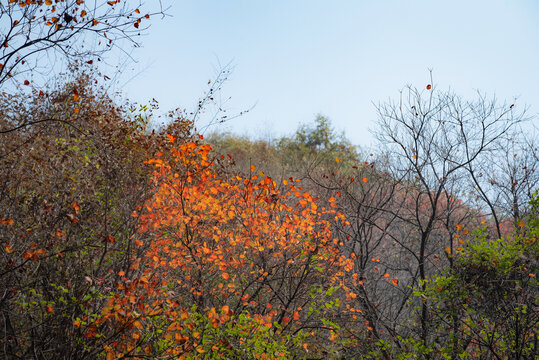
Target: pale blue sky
295, 59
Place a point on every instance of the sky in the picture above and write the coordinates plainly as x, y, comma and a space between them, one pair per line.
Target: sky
295, 59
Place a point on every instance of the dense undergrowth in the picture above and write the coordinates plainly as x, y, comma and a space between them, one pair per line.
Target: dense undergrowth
119, 241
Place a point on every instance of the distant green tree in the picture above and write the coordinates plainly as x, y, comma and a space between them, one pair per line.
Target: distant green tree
315, 145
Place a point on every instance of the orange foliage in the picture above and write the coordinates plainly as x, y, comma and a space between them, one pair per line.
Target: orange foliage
233, 243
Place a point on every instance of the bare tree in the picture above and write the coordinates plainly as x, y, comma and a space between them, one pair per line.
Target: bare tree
73, 29
441, 147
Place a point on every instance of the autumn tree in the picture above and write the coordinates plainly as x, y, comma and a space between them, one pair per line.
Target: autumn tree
233, 267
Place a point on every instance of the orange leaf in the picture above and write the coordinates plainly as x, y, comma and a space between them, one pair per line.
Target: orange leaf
364, 179
386, 275
7, 221
521, 224
50, 309
226, 276
296, 315
395, 282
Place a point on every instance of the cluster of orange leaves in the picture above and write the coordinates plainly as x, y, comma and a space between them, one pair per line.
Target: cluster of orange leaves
221, 242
